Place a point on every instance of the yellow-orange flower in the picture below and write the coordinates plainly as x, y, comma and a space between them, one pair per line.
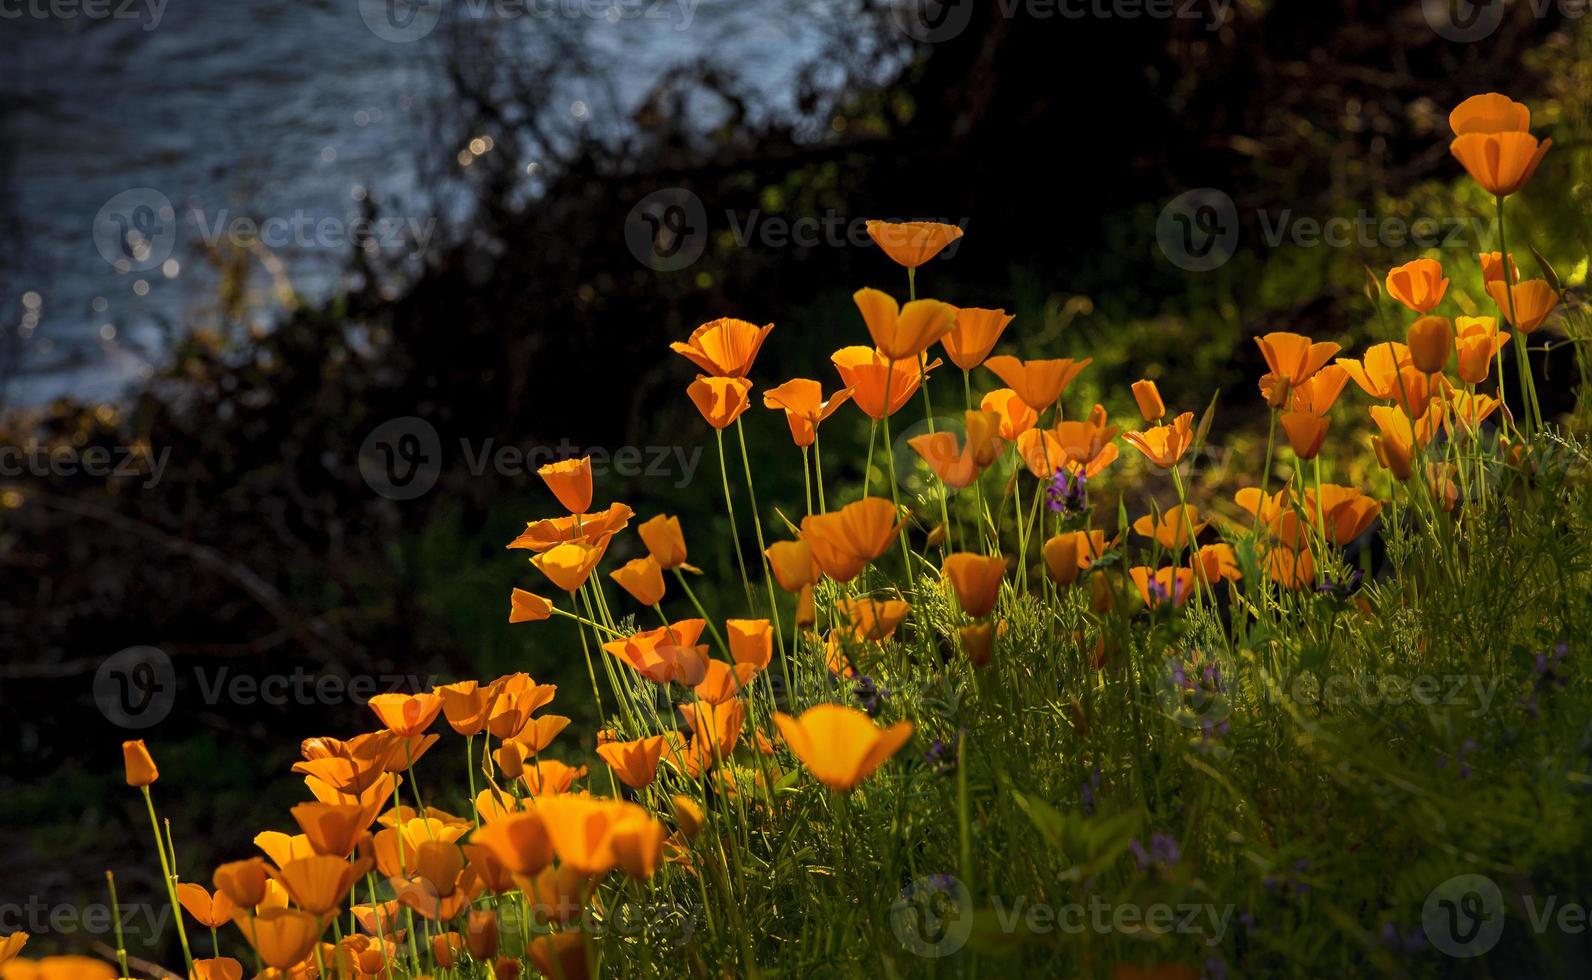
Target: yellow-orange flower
466, 703
912, 243
283, 937
635, 763
1070, 552
1172, 530
723, 681
845, 540
1214, 562
1478, 343
720, 400
802, 400
1164, 445
243, 882
978, 641
903, 332
1148, 397
407, 715
792, 564
1014, 414
1419, 285
1469, 410
1430, 341
591, 528
976, 580
879, 386
723, 348
560, 954
1378, 374
975, 334
664, 540
840, 746
1087, 443
1306, 433
1039, 382
752, 640
569, 565
331, 828
642, 578
570, 481
1492, 267
1345, 511
957, 467
1534, 300
210, 910
1396, 446
320, 882
1319, 392
138, 763
1501, 163
668, 653
874, 620
519, 841
11, 945
1292, 358
218, 968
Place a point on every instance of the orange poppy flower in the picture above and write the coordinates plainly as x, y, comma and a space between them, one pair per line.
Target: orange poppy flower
519, 841
723, 681
1319, 392
1164, 445
720, 400
1419, 285
1345, 512
488, 869
1172, 530
912, 243
1306, 433
210, 910
569, 565
874, 620
1070, 552
723, 348
802, 400
1291, 568
957, 467
792, 564
590, 528
570, 481
1470, 409
1378, 374
580, 828
1038, 382
637, 840
218, 968
845, 540
465, 703
11, 945
538, 733
1501, 163
1491, 112
715, 728
1492, 267
282, 848
561, 954
406, 715
138, 763
559, 894
664, 540
635, 763
320, 882
517, 698
481, 933
1534, 299
1148, 397
331, 828
1395, 447
642, 578
976, 580
903, 332
974, 335
282, 937
1430, 340
1478, 343
1087, 443
549, 777
841, 746
751, 641
1293, 358
978, 642
668, 653
1157, 586
872, 377
1214, 562
1014, 414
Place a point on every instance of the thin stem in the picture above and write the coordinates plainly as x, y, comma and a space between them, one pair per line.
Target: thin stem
729, 506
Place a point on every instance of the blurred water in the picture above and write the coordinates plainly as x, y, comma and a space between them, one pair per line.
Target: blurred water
180, 117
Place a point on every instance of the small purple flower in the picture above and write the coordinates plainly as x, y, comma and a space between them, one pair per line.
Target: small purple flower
942, 756
1067, 492
870, 695
1162, 853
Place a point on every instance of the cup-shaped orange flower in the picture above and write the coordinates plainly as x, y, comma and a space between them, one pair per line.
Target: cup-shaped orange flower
519, 841
802, 400
976, 580
1430, 340
751, 640
283, 937
720, 400
1161, 586
407, 715
1478, 342
723, 681
1070, 552
1319, 392
912, 243
466, 703
1345, 512
138, 763
11, 945
1172, 529
845, 540
724, 348
1014, 414
590, 528
538, 733
331, 828
1419, 285
664, 540
879, 386
1534, 300
903, 332
243, 882
1489, 112
841, 746
1501, 163
569, 565
1395, 447
570, 481
635, 763
792, 564
1214, 562
1378, 373
1306, 432
1164, 445
873, 620
666, 654
1292, 358
1492, 267
218, 968
209, 910
1148, 397
975, 334
1038, 382
320, 882
642, 578
1087, 443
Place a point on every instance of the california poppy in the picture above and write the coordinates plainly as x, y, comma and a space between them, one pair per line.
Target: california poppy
1148, 397
550, 777
912, 243
751, 640
11, 945
569, 565
1164, 445
1070, 552
1378, 374
720, 400
1534, 300
331, 828
957, 467
1292, 358
243, 882
845, 540
978, 641
1319, 392
1306, 432
538, 733
1014, 414
637, 840
560, 954
1419, 285
1214, 562
320, 882
579, 827
466, 703
1470, 409
1478, 343
722, 681
138, 763
1396, 446
210, 910
282, 848
282, 937
802, 400
1172, 529
1430, 340
518, 698
841, 746
1345, 512
591, 528
1038, 382
218, 968
974, 335
1492, 267
976, 580
481, 934
668, 653
406, 715
723, 348
715, 728
664, 540
519, 840
879, 386
635, 763
903, 332
1501, 163
873, 620
1087, 443
792, 564
642, 578
570, 481
1158, 586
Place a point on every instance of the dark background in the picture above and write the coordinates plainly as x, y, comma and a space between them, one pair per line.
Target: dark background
265, 551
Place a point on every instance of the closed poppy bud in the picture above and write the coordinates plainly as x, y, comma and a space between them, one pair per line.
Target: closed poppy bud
1395, 447
528, 607
642, 578
1306, 432
664, 540
242, 881
976, 580
1061, 558
689, 815
978, 640
1149, 398
570, 481
1431, 340
445, 948
481, 934
139, 764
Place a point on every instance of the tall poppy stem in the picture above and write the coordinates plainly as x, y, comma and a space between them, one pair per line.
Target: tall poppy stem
807, 480
116, 917
1528, 388
818, 464
166, 876
762, 546
729, 506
